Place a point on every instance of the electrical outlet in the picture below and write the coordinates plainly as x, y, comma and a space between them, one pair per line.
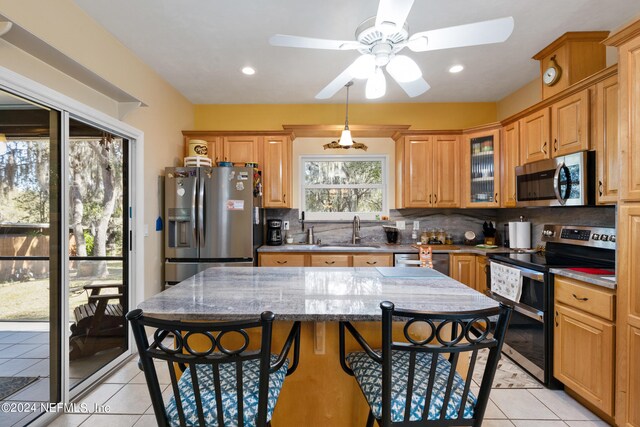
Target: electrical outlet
285, 225
400, 225
416, 225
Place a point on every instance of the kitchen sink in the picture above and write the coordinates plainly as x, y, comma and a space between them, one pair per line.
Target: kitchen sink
346, 246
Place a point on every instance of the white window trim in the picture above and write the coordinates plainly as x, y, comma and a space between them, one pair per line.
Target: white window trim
346, 216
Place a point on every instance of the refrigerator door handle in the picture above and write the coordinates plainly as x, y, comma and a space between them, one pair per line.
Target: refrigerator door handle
193, 211
201, 212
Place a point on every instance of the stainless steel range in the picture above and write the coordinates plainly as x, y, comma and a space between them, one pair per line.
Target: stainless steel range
529, 340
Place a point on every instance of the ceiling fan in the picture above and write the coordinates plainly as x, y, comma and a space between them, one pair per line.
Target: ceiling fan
380, 39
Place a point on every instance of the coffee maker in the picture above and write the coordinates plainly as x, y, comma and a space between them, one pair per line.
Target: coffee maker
274, 232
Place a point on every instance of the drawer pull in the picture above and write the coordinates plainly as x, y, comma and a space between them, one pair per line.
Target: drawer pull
372, 262
281, 262
600, 188
329, 262
580, 299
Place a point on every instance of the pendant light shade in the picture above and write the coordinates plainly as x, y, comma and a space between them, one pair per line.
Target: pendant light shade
403, 69
363, 67
376, 85
345, 138
3, 144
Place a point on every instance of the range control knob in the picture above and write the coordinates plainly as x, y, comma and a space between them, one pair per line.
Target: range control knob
547, 233
595, 236
604, 238
612, 238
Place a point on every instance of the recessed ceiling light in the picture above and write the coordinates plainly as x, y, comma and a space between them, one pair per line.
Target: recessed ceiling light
456, 69
248, 71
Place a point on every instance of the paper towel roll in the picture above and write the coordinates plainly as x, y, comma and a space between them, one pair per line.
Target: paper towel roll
513, 235
523, 235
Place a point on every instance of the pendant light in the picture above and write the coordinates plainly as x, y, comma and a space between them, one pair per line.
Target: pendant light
3, 144
345, 138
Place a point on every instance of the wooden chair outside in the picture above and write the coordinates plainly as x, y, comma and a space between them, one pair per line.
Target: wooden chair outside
99, 325
418, 381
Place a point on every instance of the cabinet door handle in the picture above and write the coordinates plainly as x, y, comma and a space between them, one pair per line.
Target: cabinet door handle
435, 198
284, 198
216, 160
329, 262
495, 198
555, 144
556, 318
281, 262
430, 198
600, 187
544, 148
580, 299
372, 262
486, 269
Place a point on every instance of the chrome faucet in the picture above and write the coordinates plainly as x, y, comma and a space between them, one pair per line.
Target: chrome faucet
355, 238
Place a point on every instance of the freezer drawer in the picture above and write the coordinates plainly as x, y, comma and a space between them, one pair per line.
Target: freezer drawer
176, 272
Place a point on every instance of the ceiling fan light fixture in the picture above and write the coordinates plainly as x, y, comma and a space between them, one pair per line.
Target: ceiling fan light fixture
376, 85
418, 44
404, 69
363, 67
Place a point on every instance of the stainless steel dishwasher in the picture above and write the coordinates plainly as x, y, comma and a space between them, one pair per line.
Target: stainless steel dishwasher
440, 261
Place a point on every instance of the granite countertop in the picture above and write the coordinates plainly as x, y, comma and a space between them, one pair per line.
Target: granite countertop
311, 294
377, 248
594, 279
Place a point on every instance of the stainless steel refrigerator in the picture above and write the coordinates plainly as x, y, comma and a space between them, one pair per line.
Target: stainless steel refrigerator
213, 218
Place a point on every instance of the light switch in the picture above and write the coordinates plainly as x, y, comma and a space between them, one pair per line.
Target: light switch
416, 225
285, 225
400, 225
146, 230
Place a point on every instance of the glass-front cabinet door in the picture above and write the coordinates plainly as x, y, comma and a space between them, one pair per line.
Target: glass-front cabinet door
482, 168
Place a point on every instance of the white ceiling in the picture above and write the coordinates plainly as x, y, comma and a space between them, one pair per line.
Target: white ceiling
199, 46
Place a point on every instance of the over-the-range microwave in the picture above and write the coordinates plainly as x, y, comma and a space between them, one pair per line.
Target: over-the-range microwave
563, 181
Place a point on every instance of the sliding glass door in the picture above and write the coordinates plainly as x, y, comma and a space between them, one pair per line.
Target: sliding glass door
64, 255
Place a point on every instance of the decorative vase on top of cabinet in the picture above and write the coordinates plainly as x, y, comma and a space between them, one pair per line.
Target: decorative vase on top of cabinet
482, 167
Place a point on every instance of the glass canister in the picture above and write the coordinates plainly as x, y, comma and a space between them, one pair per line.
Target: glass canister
448, 239
441, 235
424, 238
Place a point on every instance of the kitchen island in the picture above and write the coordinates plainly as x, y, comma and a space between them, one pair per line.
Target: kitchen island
319, 393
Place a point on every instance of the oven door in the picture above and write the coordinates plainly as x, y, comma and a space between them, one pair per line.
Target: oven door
527, 341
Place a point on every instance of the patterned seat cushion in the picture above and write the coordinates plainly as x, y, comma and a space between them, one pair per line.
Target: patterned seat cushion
368, 373
251, 378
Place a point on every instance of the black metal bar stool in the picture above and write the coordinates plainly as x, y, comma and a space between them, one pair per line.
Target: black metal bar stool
416, 382
218, 386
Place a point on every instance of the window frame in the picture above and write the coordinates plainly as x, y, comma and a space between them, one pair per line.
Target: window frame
345, 216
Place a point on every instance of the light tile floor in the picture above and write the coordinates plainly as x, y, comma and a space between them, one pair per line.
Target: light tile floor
126, 393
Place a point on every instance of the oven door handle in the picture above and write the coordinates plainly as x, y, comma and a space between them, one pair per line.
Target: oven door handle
525, 272
526, 311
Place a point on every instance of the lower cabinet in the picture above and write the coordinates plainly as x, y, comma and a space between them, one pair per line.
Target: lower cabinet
482, 267
584, 343
462, 267
323, 259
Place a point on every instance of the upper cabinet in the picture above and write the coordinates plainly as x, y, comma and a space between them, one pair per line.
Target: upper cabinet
570, 124
510, 159
427, 172
481, 171
534, 137
277, 172
241, 149
606, 140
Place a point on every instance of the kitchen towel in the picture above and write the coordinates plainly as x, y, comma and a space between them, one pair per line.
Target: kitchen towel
520, 235
506, 281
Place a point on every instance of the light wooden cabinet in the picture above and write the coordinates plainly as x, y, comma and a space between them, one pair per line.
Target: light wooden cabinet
633, 377
584, 356
481, 171
276, 169
482, 268
534, 137
373, 260
570, 124
510, 157
281, 260
241, 149
462, 267
428, 171
329, 260
606, 140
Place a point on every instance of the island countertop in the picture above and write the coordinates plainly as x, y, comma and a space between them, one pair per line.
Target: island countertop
311, 293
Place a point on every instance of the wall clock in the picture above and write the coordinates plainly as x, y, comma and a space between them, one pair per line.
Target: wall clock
553, 72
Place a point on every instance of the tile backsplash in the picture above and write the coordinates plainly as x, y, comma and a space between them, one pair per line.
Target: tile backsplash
454, 221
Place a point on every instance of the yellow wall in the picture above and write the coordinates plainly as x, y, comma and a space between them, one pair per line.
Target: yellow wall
440, 116
521, 99
66, 27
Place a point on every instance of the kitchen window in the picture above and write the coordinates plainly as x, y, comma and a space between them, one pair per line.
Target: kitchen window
339, 187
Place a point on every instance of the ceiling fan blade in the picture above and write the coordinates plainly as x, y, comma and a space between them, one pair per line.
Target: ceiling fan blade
393, 12
484, 32
312, 43
414, 88
336, 84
